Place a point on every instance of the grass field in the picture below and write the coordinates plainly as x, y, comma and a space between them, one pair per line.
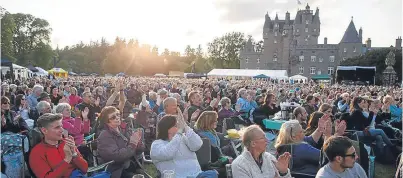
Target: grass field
381, 171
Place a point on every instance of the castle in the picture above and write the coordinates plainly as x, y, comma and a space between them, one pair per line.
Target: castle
292, 45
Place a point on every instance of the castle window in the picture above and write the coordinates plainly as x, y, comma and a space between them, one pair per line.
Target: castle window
320, 59
301, 58
345, 50
319, 72
301, 53
258, 60
306, 29
275, 41
331, 58
314, 30
330, 70
276, 25
354, 50
306, 21
275, 33
265, 33
313, 58
247, 60
275, 59
297, 30
313, 52
313, 70
301, 70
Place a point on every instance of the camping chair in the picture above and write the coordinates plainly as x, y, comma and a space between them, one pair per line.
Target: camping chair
290, 148
204, 154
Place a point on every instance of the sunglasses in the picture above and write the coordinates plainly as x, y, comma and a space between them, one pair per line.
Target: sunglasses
352, 155
6, 102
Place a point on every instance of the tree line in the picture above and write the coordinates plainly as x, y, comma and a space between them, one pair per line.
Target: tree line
25, 40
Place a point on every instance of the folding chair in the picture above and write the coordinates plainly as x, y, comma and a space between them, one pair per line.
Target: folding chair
204, 154
290, 148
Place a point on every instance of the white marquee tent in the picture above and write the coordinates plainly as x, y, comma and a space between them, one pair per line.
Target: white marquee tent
41, 72
299, 77
247, 73
19, 71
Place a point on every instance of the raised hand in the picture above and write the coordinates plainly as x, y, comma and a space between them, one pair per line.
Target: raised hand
97, 101
85, 114
135, 138
328, 128
282, 162
340, 127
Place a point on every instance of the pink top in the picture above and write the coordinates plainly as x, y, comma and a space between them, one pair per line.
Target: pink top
76, 128
74, 99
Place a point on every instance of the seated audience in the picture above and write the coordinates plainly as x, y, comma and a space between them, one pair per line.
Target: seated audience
10, 121
76, 127
55, 156
342, 156
255, 161
175, 149
116, 143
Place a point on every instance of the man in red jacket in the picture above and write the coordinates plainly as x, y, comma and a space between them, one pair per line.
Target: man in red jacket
55, 156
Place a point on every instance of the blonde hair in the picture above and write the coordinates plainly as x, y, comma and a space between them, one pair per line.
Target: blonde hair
388, 98
248, 134
285, 136
206, 120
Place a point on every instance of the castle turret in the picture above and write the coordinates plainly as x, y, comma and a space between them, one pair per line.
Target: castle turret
276, 19
368, 42
398, 43
267, 21
307, 7
360, 34
316, 19
287, 18
325, 40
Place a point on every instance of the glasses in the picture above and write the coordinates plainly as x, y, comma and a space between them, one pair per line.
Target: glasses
6, 102
352, 155
115, 117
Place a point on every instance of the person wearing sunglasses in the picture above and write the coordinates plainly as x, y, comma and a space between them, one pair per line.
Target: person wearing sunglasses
117, 143
342, 159
10, 121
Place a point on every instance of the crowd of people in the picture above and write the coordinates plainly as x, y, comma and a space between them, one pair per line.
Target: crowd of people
83, 122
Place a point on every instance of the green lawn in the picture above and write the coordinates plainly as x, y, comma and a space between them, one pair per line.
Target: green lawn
381, 171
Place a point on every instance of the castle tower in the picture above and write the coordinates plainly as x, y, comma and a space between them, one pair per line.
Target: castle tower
307, 26
350, 45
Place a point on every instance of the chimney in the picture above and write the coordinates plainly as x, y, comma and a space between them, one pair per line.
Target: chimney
325, 40
398, 43
369, 43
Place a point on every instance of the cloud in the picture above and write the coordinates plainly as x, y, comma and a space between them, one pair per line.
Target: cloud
190, 32
239, 11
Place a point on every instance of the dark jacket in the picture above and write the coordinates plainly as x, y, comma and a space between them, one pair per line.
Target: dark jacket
115, 146
263, 112
92, 110
11, 126
357, 121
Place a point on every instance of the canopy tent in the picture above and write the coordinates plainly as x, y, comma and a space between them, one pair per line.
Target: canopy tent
72, 73
159, 75
356, 73
41, 72
32, 68
321, 77
18, 71
298, 78
58, 72
261, 76
247, 73
7, 64
120, 74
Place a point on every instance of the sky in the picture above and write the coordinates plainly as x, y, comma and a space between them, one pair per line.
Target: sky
173, 24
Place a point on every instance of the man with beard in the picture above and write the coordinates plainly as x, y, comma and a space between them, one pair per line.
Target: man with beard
341, 154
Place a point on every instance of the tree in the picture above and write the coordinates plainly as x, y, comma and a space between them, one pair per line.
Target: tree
7, 32
377, 58
224, 51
